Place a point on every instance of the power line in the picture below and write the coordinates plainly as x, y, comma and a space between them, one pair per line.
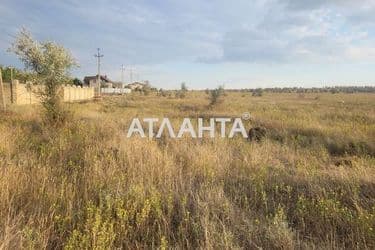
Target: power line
98, 56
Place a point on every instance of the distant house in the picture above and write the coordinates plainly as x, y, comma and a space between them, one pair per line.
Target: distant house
136, 86
119, 85
91, 81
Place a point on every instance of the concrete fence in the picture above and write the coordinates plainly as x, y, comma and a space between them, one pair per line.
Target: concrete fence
7, 94
117, 91
73, 93
21, 94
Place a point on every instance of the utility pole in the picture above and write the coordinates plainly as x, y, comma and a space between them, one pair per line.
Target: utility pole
132, 72
2, 92
98, 56
122, 74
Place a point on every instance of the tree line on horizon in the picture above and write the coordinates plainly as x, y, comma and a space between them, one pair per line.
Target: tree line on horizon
333, 90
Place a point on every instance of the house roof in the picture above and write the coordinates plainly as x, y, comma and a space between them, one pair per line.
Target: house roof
136, 84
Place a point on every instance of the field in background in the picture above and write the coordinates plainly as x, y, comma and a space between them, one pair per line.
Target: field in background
309, 184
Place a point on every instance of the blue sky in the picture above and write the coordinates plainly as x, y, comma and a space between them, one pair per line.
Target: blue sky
239, 43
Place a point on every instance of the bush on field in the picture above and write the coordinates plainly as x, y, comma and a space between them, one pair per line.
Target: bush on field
216, 95
50, 63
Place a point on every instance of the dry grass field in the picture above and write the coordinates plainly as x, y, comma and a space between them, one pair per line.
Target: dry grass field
309, 185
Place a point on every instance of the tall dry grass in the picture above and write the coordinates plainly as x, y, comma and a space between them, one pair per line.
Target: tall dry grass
310, 184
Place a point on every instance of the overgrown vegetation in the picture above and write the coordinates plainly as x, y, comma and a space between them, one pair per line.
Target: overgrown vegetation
257, 92
216, 95
85, 185
182, 92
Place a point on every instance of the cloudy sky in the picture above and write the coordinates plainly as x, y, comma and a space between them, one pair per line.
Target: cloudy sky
239, 43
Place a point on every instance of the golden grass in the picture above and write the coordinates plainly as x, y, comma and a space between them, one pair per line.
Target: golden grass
310, 184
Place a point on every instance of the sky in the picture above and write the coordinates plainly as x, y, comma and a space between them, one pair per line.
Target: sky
238, 43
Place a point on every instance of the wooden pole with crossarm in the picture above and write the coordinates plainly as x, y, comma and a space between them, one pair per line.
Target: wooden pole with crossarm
98, 56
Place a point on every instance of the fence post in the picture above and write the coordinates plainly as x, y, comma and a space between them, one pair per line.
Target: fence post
11, 88
29, 91
3, 107
13, 91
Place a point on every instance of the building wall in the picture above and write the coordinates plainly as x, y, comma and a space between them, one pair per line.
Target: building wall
92, 83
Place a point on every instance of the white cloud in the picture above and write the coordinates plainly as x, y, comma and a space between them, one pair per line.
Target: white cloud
150, 33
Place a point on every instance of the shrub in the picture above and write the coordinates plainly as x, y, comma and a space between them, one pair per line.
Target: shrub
216, 95
258, 92
182, 92
51, 64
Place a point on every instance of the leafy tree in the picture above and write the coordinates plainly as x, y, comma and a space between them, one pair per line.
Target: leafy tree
50, 63
184, 87
258, 92
77, 82
182, 92
6, 73
162, 93
16, 74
